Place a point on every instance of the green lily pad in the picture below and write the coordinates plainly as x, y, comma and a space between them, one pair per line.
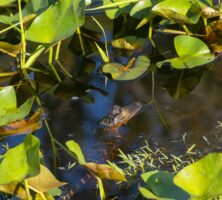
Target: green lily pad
134, 69
129, 43
8, 107
21, 161
141, 9
182, 11
160, 186
114, 12
58, 22
192, 52
203, 178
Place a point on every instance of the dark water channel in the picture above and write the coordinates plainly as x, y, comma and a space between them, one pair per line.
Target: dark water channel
195, 117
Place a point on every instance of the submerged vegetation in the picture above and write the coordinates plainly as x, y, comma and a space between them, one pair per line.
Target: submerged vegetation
124, 47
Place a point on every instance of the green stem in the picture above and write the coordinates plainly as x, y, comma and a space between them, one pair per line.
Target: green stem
104, 35
38, 192
81, 41
112, 5
186, 29
150, 33
52, 66
54, 150
58, 46
22, 32
27, 190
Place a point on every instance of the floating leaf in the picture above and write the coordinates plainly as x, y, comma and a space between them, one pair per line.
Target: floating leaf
141, 9
213, 36
23, 126
129, 43
192, 52
183, 11
21, 161
202, 179
183, 82
162, 186
58, 22
75, 148
105, 171
149, 195
115, 11
135, 68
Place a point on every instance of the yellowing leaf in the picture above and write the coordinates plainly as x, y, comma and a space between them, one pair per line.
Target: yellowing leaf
23, 126
105, 171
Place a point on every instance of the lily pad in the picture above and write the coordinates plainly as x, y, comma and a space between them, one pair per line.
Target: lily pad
183, 11
160, 186
141, 9
58, 22
134, 69
115, 11
203, 178
129, 43
192, 52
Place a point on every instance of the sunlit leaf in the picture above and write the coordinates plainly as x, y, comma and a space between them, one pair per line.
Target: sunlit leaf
58, 22
115, 11
192, 52
183, 11
162, 186
105, 171
75, 148
134, 69
149, 195
5, 2
140, 10
21, 161
202, 179
44, 181
129, 43
10, 115
102, 53
23, 126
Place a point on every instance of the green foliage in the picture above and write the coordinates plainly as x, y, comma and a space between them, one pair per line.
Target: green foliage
202, 179
134, 69
58, 22
8, 107
160, 186
75, 148
191, 51
27, 164
183, 11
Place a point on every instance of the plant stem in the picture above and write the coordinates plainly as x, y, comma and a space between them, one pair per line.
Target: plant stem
104, 35
81, 41
52, 66
150, 33
27, 190
38, 192
112, 5
186, 29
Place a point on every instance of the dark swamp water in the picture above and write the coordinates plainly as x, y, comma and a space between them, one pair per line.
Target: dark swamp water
194, 117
